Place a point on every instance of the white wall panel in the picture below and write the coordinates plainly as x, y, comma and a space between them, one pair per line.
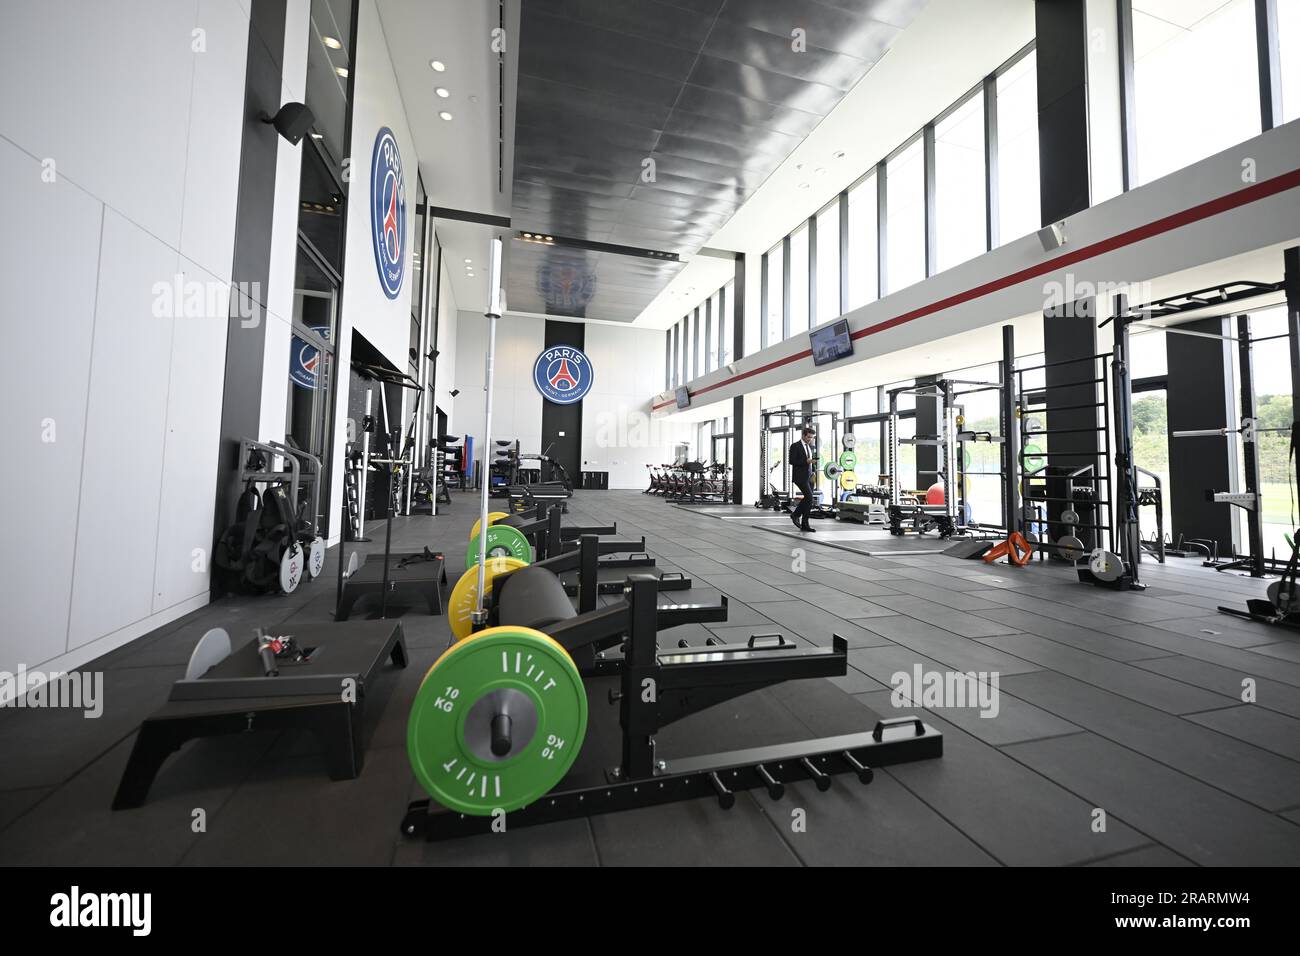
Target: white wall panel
105, 92
47, 320
211, 193
189, 472
284, 233
126, 418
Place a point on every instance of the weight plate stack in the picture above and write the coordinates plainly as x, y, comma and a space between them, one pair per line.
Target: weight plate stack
497, 721
493, 518
464, 596
503, 541
849, 441
848, 460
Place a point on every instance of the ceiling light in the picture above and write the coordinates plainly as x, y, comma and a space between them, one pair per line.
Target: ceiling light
550, 238
445, 115
468, 261
438, 65
528, 235
443, 92
332, 43
838, 154
317, 135
803, 185
341, 71
820, 170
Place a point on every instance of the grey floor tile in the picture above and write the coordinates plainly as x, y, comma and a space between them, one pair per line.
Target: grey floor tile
1247, 772
1018, 816
1154, 690
1198, 822
1256, 726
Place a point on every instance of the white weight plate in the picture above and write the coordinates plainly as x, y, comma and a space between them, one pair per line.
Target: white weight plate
1070, 548
316, 557
1105, 566
849, 441
291, 568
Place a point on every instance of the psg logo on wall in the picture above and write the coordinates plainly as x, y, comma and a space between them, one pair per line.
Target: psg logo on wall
563, 375
305, 359
566, 283
388, 212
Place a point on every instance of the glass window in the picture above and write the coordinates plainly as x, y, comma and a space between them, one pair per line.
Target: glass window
668, 358
864, 261
1272, 378
959, 185
864, 402
1151, 449
1196, 81
775, 291
713, 326
1288, 32
1019, 211
799, 281
905, 223
828, 263
728, 336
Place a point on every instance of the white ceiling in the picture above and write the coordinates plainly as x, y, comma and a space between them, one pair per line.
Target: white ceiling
948, 48
457, 158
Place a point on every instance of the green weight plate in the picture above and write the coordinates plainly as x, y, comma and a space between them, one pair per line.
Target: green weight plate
503, 541
832, 471
1032, 462
848, 460
454, 736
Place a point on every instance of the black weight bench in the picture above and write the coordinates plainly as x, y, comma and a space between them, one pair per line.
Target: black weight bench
235, 696
421, 577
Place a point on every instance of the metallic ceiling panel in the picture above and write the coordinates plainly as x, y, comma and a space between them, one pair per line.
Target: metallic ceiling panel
710, 90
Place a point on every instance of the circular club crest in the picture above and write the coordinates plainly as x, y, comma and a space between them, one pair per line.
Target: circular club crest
388, 212
304, 360
563, 375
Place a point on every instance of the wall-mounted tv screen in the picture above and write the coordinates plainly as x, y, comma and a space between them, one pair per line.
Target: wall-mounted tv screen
683, 397
831, 342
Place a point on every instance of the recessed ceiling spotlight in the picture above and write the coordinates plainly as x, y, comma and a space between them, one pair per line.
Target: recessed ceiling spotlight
317, 135
528, 235
332, 43
443, 92
798, 166
468, 261
838, 154
803, 185
341, 71
820, 170
445, 115
438, 65
473, 98
550, 238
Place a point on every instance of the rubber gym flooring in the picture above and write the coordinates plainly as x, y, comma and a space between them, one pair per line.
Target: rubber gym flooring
1126, 703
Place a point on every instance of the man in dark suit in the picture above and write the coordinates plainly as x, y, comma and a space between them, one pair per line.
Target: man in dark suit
802, 458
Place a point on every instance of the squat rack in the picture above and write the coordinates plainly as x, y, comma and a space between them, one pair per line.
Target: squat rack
790, 419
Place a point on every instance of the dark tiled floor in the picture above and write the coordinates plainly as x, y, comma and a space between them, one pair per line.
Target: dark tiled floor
1121, 708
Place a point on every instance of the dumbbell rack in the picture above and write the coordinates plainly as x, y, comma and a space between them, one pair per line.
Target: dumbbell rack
687, 683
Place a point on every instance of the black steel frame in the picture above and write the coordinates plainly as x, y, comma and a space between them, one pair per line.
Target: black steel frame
687, 683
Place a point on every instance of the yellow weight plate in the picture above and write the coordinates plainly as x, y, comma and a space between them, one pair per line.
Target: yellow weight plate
493, 518
848, 480
464, 596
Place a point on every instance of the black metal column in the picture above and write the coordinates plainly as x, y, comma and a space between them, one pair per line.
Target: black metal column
1062, 35
1010, 436
1291, 280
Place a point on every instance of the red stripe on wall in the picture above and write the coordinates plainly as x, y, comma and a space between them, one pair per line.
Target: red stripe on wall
1242, 197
